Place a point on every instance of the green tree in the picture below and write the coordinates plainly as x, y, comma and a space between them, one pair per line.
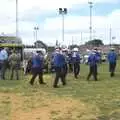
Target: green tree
95, 42
73, 46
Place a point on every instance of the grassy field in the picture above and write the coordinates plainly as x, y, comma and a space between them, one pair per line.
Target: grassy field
79, 100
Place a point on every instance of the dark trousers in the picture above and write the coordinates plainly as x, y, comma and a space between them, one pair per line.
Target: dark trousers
76, 69
14, 69
3, 69
65, 69
0, 69
112, 67
60, 74
70, 67
37, 72
92, 71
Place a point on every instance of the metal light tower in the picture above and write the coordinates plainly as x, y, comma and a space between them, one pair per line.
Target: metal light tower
63, 11
16, 18
81, 38
36, 30
91, 6
110, 35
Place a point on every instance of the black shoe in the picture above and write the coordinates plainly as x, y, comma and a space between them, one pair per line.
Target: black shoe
64, 84
42, 83
88, 79
112, 74
3, 78
76, 77
56, 86
31, 83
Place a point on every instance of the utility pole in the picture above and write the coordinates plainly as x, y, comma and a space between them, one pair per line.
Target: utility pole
16, 18
62, 12
110, 35
72, 40
36, 30
90, 28
81, 38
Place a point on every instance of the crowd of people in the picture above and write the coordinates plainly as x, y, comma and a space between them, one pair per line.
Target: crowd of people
9, 59
62, 62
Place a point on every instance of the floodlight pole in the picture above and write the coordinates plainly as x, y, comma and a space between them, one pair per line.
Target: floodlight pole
90, 28
36, 30
81, 38
62, 12
110, 35
63, 35
16, 18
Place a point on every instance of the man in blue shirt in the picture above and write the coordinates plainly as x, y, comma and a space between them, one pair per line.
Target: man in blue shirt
64, 52
92, 62
76, 62
37, 68
112, 58
98, 54
59, 64
3, 62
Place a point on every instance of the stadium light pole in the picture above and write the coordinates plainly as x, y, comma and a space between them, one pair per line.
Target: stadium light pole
90, 28
36, 30
62, 12
81, 38
16, 18
110, 34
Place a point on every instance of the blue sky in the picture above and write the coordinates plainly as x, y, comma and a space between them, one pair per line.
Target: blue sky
44, 14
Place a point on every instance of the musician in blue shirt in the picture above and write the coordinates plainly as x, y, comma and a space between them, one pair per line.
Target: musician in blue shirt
37, 68
76, 62
92, 62
112, 58
59, 64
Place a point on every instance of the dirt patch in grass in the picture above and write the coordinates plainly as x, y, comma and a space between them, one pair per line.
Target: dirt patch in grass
49, 108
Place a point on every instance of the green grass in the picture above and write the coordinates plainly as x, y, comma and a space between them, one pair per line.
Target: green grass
102, 96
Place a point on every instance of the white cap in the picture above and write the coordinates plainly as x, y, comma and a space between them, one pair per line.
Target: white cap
112, 48
64, 49
75, 49
94, 50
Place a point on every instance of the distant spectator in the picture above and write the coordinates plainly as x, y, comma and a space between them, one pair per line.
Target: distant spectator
14, 61
3, 62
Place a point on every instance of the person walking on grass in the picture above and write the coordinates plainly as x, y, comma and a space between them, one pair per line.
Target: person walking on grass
92, 62
60, 70
76, 62
112, 59
37, 68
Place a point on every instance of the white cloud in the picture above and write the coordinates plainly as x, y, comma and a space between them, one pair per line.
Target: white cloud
77, 24
55, 4
50, 29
